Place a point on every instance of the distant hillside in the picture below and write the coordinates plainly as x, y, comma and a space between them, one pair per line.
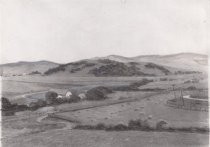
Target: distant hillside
113, 65
188, 61
106, 67
26, 67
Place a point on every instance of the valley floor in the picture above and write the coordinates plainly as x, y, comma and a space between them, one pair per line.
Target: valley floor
82, 138
34, 129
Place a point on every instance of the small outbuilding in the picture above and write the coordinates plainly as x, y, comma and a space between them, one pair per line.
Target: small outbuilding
82, 96
68, 94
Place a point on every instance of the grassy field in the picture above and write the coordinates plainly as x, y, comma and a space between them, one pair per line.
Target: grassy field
153, 106
32, 128
80, 138
14, 86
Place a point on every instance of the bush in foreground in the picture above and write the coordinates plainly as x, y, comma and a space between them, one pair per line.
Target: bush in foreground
138, 125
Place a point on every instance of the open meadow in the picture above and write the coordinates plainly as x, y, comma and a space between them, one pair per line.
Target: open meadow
36, 128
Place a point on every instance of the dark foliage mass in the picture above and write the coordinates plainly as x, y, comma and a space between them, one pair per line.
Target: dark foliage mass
141, 83
55, 70
161, 68
50, 97
114, 68
34, 73
191, 88
74, 99
141, 126
186, 72
33, 106
152, 89
98, 93
107, 67
133, 86
9, 109
41, 103
5, 103
76, 66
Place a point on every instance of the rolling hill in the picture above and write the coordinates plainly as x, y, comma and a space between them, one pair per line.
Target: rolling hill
114, 65
187, 61
26, 67
106, 67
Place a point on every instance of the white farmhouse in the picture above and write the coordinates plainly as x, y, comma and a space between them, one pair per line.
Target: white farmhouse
68, 94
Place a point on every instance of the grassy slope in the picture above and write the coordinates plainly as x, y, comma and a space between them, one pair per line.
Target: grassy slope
26, 67
79, 138
109, 68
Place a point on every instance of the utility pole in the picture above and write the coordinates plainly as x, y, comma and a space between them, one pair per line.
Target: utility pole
182, 99
174, 91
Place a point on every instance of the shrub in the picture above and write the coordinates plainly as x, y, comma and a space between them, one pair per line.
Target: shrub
140, 83
34, 73
33, 106
8, 113
85, 127
50, 97
161, 124
10, 109
6, 103
202, 129
118, 127
146, 125
41, 103
21, 107
134, 124
97, 93
61, 100
74, 98
191, 88
100, 126
75, 70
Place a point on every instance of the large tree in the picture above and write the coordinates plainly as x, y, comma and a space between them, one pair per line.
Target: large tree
5, 103
50, 97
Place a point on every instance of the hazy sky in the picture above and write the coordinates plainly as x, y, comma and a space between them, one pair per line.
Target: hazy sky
69, 30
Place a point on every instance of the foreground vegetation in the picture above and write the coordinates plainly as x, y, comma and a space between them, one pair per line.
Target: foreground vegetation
161, 126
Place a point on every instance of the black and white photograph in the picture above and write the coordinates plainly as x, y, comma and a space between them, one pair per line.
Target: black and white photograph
104, 73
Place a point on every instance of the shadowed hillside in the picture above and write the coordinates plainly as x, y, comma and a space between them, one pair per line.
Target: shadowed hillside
107, 67
189, 61
113, 65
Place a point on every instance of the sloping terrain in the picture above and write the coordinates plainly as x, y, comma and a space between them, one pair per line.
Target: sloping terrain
188, 61
26, 67
107, 67
113, 65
